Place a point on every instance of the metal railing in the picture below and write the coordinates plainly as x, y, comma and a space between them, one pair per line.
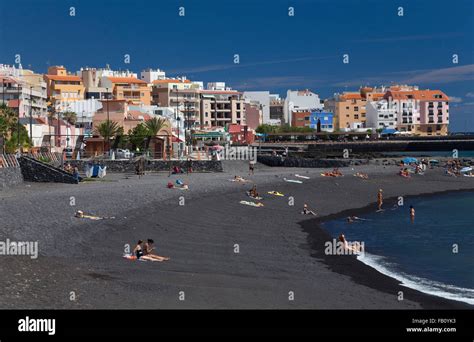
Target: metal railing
8, 160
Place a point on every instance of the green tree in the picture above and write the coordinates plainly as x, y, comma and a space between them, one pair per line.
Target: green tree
108, 129
9, 119
154, 126
12, 143
70, 117
137, 135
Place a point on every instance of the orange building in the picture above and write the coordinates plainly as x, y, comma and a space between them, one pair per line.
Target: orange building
63, 87
349, 107
130, 89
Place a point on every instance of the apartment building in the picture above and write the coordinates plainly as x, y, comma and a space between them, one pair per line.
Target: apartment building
63, 87
420, 112
276, 109
130, 89
222, 107
300, 100
349, 108
381, 115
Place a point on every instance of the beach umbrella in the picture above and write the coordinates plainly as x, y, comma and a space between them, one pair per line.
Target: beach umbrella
409, 160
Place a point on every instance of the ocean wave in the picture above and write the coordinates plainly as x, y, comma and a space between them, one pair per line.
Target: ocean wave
417, 283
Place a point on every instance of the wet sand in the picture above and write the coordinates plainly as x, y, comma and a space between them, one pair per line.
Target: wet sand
279, 250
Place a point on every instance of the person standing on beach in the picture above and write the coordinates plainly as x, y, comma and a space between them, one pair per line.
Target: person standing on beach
380, 199
251, 167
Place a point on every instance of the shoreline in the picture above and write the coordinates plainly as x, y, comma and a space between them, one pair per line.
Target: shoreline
276, 254
360, 272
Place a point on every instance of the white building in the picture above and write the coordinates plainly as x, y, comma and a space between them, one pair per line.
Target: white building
381, 114
262, 97
150, 75
217, 86
84, 109
299, 100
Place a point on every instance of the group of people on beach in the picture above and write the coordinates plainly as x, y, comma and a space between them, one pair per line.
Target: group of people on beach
334, 173
72, 170
144, 251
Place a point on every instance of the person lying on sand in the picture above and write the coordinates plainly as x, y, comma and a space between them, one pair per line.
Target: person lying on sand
239, 179
80, 214
354, 247
183, 186
307, 211
362, 175
404, 173
148, 252
334, 173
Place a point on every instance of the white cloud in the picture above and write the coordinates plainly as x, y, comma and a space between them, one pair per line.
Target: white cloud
445, 75
455, 99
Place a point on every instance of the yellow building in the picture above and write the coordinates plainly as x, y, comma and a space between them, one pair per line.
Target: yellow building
130, 89
349, 107
63, 87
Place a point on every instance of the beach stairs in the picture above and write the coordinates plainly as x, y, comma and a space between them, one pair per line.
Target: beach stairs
34, 170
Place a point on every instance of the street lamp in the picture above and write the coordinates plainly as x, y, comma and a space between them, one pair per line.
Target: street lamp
31, 115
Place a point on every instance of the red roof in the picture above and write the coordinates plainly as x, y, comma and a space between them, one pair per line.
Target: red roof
63, 78
422, 95
126, 80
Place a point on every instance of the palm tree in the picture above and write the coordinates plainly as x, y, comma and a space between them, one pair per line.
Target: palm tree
108, 129
10, 118
153, 127
70, 117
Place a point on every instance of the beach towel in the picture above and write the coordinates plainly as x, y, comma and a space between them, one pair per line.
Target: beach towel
95, 171
252, 204
299, 176
130, 257
179, 182
276, 193
293, 181
89, 170
102, 172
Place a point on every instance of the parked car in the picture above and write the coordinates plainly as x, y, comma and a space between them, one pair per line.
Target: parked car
123, 154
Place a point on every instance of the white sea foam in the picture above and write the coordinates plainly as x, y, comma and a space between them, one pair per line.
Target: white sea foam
417, 283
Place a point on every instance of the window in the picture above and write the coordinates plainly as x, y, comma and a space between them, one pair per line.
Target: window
347, 115
207, 114
238, 115
347, 107
143, 94
356, 116
238, 105
356, 109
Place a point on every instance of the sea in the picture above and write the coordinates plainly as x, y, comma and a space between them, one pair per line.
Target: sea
448, 154
433, 254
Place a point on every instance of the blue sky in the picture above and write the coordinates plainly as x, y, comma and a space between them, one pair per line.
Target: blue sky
277, 52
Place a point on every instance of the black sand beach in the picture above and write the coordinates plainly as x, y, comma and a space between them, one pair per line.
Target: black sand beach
280, 251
